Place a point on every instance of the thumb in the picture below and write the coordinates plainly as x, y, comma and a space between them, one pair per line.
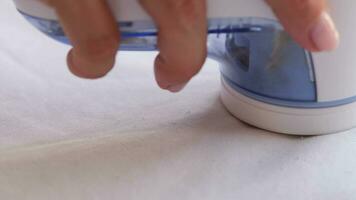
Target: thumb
308, 22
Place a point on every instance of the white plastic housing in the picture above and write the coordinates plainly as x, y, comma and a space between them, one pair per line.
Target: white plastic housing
130, 10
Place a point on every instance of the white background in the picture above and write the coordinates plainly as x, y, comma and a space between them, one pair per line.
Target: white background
121, 137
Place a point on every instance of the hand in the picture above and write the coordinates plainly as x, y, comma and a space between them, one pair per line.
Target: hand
182, 25
93, 32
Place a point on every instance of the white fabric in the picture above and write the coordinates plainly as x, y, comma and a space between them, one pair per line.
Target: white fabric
122, 138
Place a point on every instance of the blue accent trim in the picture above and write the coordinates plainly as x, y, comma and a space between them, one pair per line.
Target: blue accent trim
212, 31
284, 103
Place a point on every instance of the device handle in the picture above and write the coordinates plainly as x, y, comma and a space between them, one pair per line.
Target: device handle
130, 10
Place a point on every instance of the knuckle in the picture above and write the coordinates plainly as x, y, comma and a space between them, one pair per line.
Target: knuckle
190, 69
47, 2
302, 4
186, 73
308, 6
186, 9
99, 48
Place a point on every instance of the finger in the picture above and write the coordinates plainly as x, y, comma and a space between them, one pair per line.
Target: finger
181, 40
308, 22
93, 33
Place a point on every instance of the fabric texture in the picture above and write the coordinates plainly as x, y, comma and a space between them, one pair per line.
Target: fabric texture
121, 137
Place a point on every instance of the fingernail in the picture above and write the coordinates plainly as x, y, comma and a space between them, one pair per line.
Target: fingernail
324, 34
176, 88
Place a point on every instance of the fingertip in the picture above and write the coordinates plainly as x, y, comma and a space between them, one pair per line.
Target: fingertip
172, 76
324, 34
308, 22
92, 29
163, 75
177, 88
321, 36
182, 40
86, 69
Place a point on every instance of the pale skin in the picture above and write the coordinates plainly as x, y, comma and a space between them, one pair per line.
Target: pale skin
182, 25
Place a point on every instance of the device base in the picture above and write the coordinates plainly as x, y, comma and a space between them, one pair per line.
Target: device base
293, 121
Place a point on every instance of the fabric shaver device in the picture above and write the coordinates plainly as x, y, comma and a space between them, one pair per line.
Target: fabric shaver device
268, 80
